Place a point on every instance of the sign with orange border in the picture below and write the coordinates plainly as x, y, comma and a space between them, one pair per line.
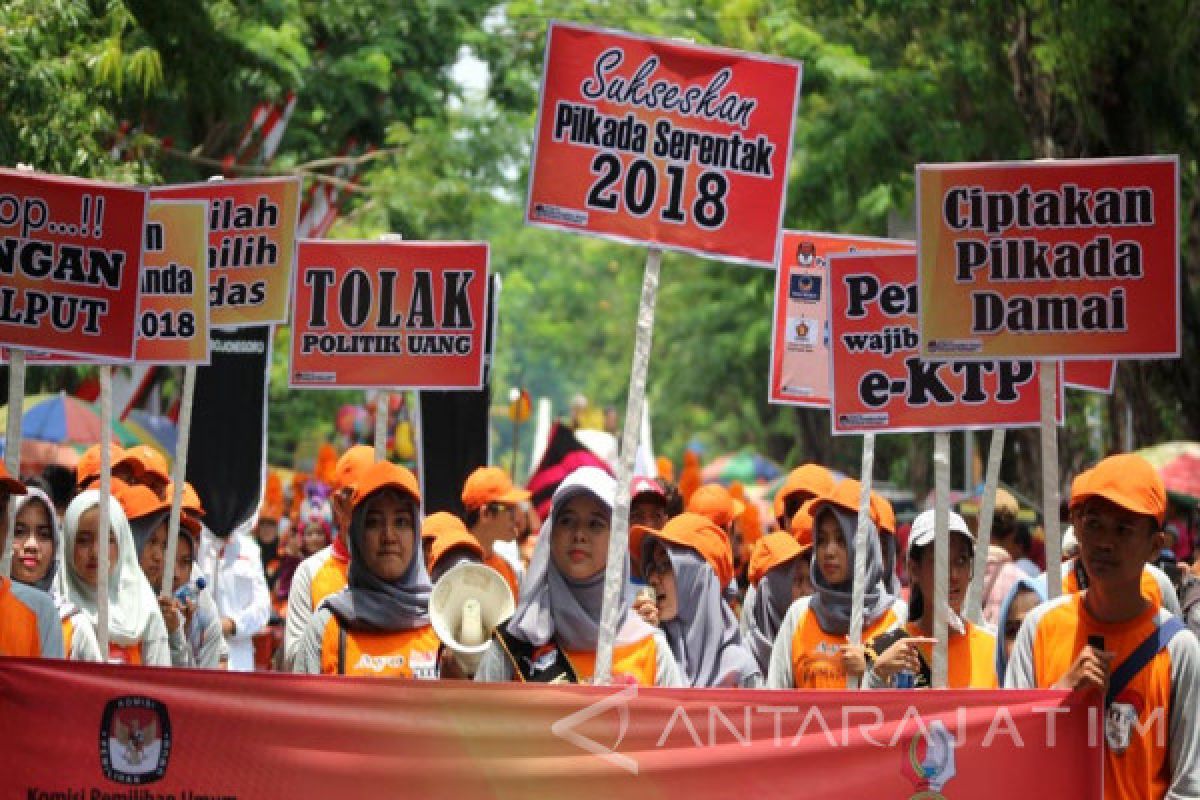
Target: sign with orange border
881, 383
70, 257
394, 315
173, 324
800, 329
1050, 259
663, 143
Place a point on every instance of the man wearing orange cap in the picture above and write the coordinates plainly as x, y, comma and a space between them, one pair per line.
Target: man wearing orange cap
802, 484
1138, 657
491, 502
29, 620
325, 572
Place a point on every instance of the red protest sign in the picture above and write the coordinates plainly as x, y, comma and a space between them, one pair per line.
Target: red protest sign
1057, 259
1092, 376
881, 383
396, 315
173, 324
799, 338
663, 143
251, 246
70, 256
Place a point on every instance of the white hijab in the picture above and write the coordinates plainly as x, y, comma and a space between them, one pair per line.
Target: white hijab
51, 582
132, 605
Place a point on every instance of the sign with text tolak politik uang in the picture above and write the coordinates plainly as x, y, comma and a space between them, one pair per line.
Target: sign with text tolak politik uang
881, 383
251, 246
1054, 259
70, 257
663, 143
409, 315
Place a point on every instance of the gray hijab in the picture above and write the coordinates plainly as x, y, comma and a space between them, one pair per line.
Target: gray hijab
832, 602
772, 598
553, 606
371, 604
47, 582
142, 527
704, 635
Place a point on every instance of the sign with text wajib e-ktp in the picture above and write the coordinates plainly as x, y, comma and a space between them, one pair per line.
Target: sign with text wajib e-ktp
663, 142
1050, 259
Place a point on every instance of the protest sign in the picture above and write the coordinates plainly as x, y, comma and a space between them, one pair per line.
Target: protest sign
173, 326
1093, 376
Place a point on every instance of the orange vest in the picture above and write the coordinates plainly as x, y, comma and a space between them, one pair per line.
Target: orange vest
631, 663
501, 565
329, 580
403, 654
816, 655
1141, 768
1150, 588
18, 625
970, 656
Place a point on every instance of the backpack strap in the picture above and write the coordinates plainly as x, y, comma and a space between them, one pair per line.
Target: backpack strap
341, 660
1141, 656
549, 664
1081, 576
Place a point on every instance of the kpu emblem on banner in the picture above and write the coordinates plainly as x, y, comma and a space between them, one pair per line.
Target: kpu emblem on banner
135, 740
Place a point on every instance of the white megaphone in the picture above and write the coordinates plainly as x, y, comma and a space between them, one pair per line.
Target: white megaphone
466, 605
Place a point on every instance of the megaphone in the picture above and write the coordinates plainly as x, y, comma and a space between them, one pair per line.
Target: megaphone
466, 605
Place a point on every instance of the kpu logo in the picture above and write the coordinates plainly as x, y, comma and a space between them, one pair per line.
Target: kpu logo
135, 740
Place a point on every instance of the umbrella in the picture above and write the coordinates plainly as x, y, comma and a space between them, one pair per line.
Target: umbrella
155, 429
63, 419
747, 467
1178, 463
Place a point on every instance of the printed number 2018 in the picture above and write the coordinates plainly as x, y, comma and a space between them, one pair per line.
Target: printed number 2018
640, 191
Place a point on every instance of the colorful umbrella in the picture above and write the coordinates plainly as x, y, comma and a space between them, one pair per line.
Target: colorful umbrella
63, 419
747, 467
1179, 465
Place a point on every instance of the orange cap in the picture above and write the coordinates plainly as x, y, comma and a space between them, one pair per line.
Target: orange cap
882, 511
811, 478
88, 467
191, 500
450, 537
385, 475
771, 551
1127, 480
10, 484
846, 496
1078, 489
440, 522
714, 501
802, 524
139, 501
150, 460
695, 531
491, 485
353, 463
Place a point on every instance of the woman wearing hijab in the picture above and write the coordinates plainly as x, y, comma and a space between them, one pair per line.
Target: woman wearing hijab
687, 563
379, 624
36, 552
136, 632
553, 634
779, 576
812, 649
971, 649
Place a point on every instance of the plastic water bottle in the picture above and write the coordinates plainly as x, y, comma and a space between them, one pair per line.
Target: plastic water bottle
906, 679
189, 590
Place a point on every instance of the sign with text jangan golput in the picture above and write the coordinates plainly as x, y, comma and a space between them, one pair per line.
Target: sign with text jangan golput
880, 382
393, 315
800, 333
70, 256
1053, 259
251, 246
662, 142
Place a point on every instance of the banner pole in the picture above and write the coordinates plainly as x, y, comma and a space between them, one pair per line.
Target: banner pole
103, 533
12, 445
987, 510
618, 542
382, 405
178, 476
941, 558
1050, 494
859, 590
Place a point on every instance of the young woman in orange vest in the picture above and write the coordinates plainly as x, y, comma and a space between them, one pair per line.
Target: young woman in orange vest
379, 624
553, 635
136, 632
28, 619
37, 551
779, 576
812, 649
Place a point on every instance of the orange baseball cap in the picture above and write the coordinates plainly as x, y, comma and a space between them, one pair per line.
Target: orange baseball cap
1127, 480
88, 467
694, 531
845, 496
440, 522
352, 464
385, 475
811, 478
450, 537
882, 511
714, 501
191, 500
771, 551
10, 484
491, 485
801, 527
139, 501
1078, 489
150, 460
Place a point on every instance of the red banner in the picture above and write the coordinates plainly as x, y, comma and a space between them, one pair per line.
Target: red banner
70, 258
880, 382
395, 315
800, 334
1091, 376
91, 731
662, 142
